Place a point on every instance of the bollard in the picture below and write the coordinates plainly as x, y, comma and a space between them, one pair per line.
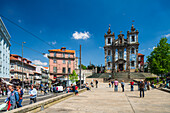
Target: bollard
42, 107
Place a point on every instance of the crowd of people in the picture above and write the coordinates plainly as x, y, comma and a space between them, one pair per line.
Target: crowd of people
142, 86
72, 88
15, 96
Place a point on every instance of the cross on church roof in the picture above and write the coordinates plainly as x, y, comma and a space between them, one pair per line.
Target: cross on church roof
120, 32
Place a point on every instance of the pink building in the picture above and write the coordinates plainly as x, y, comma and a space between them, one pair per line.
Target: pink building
61, 63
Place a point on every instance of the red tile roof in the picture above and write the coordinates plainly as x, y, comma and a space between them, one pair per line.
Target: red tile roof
139, 54
15, 57
46, 67
63, 50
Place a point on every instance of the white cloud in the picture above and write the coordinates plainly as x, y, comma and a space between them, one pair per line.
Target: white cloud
143, 50
154, 47
19, 21
168, 35
53, 42
101, 48
81, 35
45, 55
38, 62
149, 48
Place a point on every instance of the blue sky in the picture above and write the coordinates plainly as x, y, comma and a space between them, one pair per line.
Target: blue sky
55, 21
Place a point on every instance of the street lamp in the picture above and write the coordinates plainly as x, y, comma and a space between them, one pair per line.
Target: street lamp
22, 67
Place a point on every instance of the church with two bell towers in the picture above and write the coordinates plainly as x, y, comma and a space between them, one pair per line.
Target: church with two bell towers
121, 54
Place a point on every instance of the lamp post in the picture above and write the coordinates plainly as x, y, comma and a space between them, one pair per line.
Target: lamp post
22, 67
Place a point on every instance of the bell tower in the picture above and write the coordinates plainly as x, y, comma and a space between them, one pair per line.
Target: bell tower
108, 49
132, 50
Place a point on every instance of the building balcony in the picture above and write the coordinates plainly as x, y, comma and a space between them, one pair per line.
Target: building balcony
65, 58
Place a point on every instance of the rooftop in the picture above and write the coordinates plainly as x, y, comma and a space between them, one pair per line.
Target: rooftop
63, 50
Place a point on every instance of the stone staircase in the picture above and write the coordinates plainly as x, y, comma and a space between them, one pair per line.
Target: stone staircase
122, 76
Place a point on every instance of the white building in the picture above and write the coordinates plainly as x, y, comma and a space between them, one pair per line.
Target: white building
41, 75
4, 51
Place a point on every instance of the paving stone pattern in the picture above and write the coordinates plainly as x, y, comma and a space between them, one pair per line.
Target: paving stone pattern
104, 100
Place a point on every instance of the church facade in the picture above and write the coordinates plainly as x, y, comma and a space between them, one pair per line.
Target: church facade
121, 54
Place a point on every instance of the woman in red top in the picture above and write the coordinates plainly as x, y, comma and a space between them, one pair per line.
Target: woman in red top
132, 83
76, 90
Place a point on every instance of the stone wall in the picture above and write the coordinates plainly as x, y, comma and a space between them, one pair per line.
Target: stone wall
84, 73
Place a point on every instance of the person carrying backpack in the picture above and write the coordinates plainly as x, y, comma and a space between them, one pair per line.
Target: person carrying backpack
20, 92
13, 98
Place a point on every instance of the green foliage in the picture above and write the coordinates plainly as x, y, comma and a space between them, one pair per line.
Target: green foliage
83, 66
73, 77
159, 59
91, 67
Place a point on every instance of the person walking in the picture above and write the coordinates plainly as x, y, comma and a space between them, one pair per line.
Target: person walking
116, 85
132, 83
13, 98
122, 85
41, 87
76, 90
152, 84
145, 85
142, 86
33, 94
148, 85
20, 92
109, 84
92, 84
8, 95
96, 83
112, 83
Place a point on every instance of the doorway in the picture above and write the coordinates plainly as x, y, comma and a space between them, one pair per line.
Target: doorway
121, 67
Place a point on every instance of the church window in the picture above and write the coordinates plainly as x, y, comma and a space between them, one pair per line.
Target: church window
120, 54
132, 63
132, 50
109, 41
120, 41
108, 64
133, 38
109, 52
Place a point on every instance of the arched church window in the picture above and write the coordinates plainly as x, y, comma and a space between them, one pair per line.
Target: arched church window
132, 50
121, 41
132, 63
109, 41
109, 52
120, 54
108, 64
133, 38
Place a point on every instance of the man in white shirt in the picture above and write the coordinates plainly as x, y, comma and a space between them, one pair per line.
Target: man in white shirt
33, 94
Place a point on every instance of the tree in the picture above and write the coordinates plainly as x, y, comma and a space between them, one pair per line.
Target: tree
159, 59
83, 66
92, 66
73, 77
